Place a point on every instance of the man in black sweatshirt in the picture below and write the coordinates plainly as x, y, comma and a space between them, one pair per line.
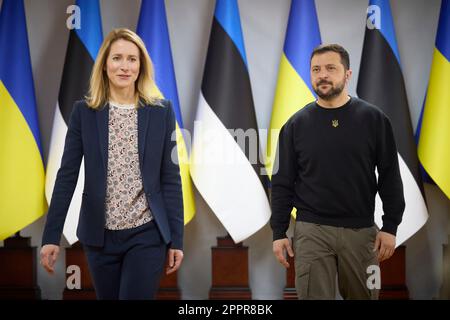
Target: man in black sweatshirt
325, 168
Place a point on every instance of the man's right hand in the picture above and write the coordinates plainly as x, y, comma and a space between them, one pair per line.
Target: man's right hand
49, 254
280, 247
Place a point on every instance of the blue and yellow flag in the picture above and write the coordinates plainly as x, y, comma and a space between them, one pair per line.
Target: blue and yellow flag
22, 177
434, 141
294, 89
152, 28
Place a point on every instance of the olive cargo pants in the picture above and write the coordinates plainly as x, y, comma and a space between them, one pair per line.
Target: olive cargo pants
322, 252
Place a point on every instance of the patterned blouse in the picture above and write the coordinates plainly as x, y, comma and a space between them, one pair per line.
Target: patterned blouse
126, 204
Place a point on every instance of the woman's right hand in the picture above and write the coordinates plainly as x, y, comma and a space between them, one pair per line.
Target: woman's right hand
49, 254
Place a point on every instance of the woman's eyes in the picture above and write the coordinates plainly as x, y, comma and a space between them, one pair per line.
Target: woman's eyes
117, 58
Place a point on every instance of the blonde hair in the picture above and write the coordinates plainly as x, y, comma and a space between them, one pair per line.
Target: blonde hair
146, 92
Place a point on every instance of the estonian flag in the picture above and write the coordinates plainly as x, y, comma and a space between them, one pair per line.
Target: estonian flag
225, 159
381, 83
82, 50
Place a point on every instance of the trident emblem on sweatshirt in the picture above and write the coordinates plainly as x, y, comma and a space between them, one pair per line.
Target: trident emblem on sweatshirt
334, 123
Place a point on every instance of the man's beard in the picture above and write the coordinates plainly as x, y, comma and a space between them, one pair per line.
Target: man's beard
332, 93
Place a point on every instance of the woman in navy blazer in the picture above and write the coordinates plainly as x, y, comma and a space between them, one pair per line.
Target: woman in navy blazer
131, 217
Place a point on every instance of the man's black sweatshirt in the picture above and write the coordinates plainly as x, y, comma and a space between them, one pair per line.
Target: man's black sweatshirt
325, 167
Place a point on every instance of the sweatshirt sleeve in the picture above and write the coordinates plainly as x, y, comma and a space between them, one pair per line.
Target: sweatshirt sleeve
283, 183
390, 186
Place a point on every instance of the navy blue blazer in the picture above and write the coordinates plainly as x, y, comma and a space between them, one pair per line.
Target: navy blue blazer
87, 136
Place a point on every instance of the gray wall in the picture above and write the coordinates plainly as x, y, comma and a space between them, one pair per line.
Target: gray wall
264, 23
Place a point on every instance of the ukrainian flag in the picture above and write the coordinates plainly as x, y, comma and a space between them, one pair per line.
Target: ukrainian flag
22, 177
294, 89
434, 141
152, 28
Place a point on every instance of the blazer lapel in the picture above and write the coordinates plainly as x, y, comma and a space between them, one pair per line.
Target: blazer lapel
143, 119
102, 126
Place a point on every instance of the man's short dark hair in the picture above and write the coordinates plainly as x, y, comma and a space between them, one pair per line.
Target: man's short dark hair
345, 59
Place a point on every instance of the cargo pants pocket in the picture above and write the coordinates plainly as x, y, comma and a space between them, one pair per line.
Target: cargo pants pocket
302, 272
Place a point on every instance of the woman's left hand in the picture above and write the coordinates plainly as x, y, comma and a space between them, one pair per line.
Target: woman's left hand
175, 256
